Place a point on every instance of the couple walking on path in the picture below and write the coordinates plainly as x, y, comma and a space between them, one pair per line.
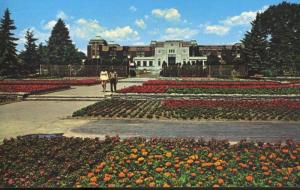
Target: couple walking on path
112, 77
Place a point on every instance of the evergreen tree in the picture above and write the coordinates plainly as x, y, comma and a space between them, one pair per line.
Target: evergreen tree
42, 54
8, 56
213, 59
61, 49
256, 46
29, 57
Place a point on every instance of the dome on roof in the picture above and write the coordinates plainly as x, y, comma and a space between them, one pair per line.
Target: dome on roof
99, 40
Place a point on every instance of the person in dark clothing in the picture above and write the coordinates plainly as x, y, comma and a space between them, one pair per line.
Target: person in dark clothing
113, 79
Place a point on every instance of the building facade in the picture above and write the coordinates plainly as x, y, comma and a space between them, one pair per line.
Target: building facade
152, 57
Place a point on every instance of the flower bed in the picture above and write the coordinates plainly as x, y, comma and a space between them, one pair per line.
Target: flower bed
49, 162
31, 88
50, 82
207, 109
214, 90
217, 87
190, 163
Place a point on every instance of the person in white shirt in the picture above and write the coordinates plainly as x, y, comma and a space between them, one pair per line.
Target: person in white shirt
103, 79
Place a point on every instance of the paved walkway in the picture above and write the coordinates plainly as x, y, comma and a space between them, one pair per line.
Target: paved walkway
29, 117
234, 131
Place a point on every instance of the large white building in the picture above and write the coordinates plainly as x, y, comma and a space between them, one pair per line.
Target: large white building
171, 52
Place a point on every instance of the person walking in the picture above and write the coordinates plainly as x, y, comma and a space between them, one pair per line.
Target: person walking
103, 79
113, 79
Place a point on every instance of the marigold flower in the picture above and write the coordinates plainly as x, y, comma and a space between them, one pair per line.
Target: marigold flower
93, 179
193, 174
298, 168
167, 174
168, 164
216, 186
90, 174
158, 170
107, 178
249, 178
169, 154
166, 185
264, 168
219, 168
141, 159
130, 174
220, 181
189, 161
151, 184
121, 175
134, 150
139, 181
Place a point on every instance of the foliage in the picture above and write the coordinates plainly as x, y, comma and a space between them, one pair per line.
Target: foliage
33, 161
29, 57
177, 162
8, 56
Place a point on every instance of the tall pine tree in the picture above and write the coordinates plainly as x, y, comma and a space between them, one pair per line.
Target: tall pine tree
29, 57
8, 56
61, 49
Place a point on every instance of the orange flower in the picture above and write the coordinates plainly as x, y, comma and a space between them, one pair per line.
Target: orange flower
90, 174
218, 163
130, 174
168, 164
134, 150
145, 153
158, 170
121, 175
266, 173
111, 185
133, 156
169, 154
234, 170
278, 184
208, 164
285, 178
249, 178
216, 186
285, 151
143, 172
193, 174
177, 166
158, 156
243, 165
93, 180
264, 168
219, 168
139, 181
141, 145
190, 161
125, 170
106, 178
151, 184
141, 159
97, 170
166, 185
193, 157
289, 170
209, 155
298, 168
293, 157
220, 181
262, 158
167, 174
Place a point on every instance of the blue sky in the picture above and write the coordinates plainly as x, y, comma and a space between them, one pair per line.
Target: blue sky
137, 22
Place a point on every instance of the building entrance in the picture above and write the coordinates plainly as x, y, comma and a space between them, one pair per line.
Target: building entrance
171, 60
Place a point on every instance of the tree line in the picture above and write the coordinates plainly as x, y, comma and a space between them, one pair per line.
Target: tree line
58, 50
272, 47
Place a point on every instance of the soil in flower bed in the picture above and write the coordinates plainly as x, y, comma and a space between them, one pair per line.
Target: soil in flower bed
206, 109
139, 162
30, 161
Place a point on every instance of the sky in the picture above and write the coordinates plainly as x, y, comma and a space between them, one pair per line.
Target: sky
137, 22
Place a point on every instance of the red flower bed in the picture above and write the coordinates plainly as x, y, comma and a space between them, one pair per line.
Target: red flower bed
50, 82
35, 88
275, 103
161, 86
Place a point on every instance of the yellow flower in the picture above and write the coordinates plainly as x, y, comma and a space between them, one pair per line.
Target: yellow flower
134, 150
169, 154
141, 159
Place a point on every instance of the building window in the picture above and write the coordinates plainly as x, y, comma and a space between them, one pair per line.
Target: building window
158, 62
145, 63
138, 63
150, 63
171, 50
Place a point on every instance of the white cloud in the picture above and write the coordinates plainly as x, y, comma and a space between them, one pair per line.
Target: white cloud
171, 14
243, 19
139, 43
40, 36
49, 25
62, 15
155, 31
132, 8
120, 33
140, 23
179, 33
86, 28
216, 29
